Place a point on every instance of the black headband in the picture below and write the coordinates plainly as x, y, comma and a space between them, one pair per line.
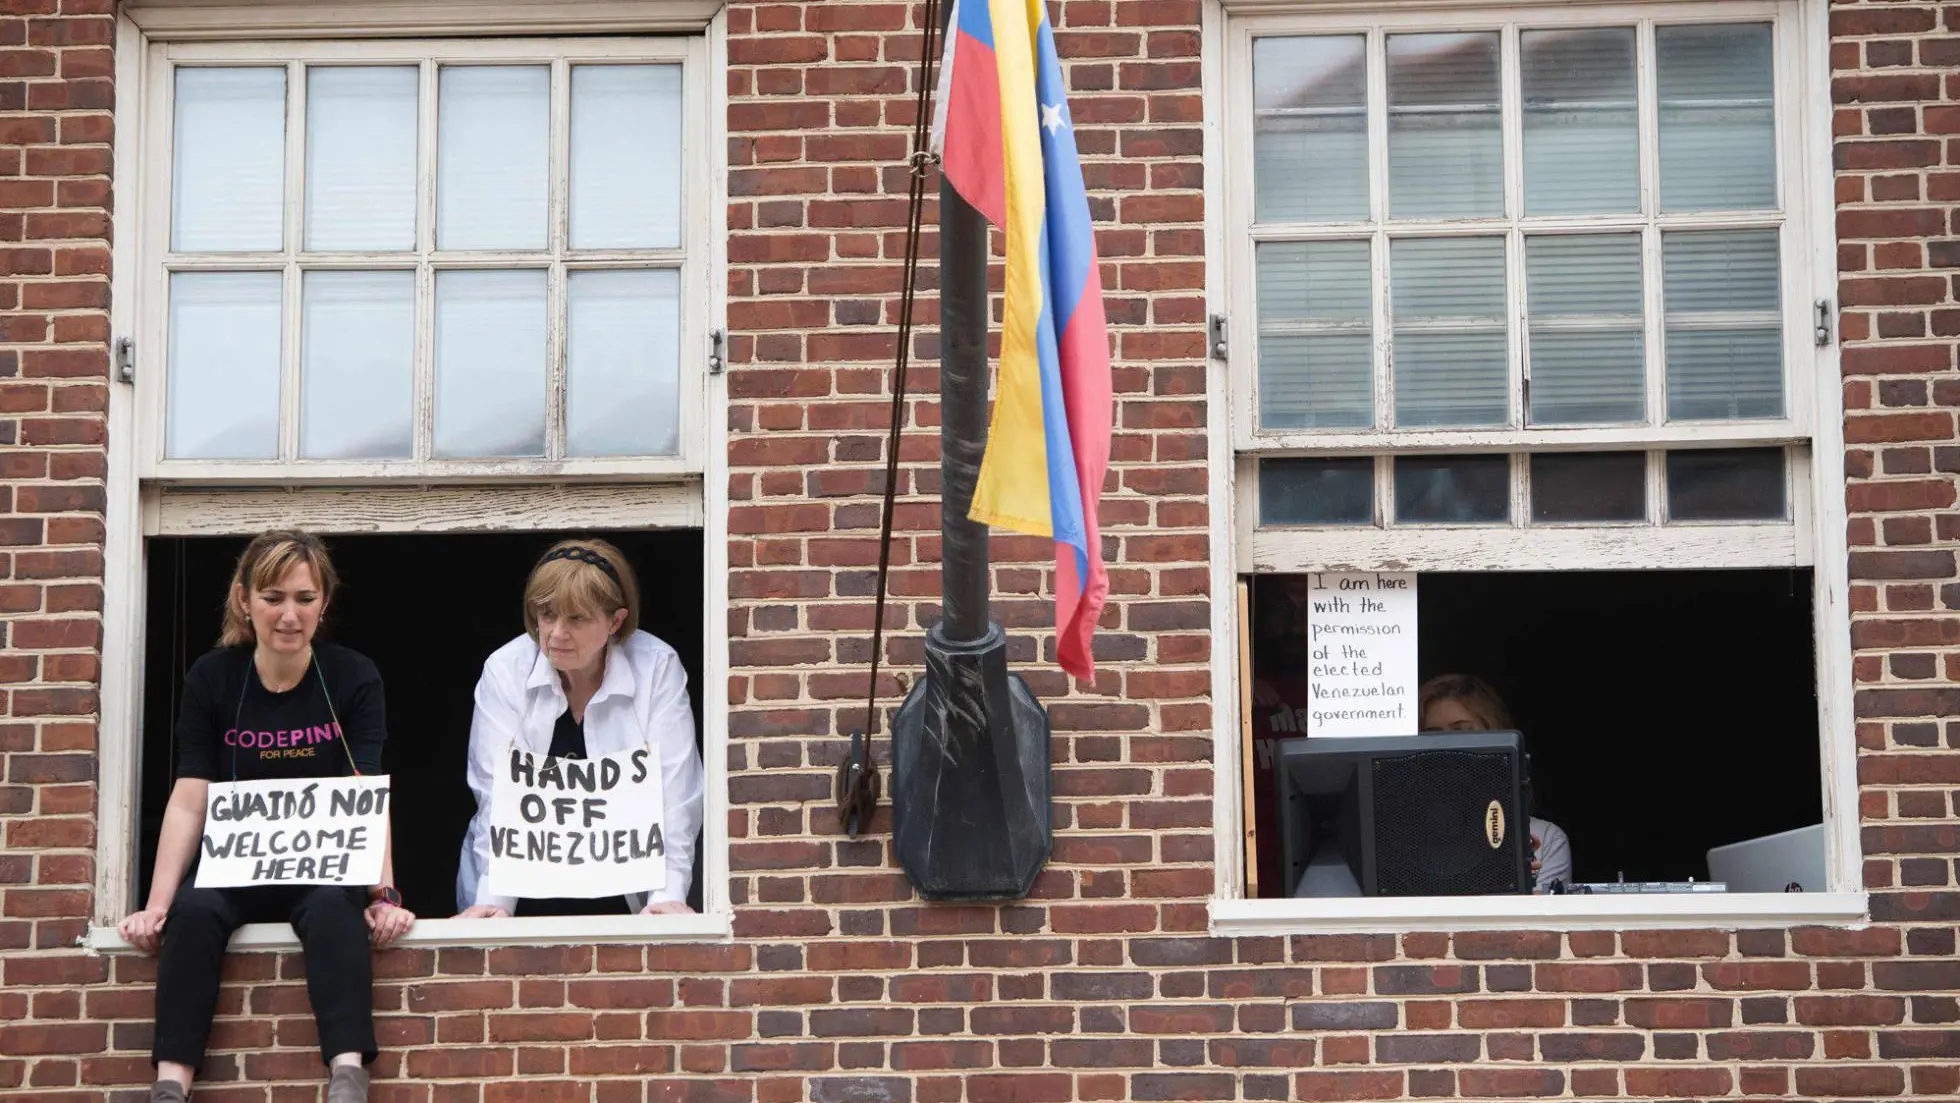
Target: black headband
586, 555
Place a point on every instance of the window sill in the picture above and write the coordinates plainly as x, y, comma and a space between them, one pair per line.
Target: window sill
434, 933
1520, 913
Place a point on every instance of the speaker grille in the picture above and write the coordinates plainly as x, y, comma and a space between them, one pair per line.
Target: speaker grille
1430, 815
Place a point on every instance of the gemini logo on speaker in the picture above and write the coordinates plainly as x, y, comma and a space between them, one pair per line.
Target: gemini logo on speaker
1494, 824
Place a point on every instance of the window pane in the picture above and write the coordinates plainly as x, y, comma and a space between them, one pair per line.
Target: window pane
357, 351
229, 182
1316, 335
490, 363
1445, 126
493, 144
1588, 486
1724, 325
1731, 484
1718, 121
1452, 489
1317, 492
624, 354
1451, 350
1581, 121
1587, 363
360, 157
626, 156
1310, 129
224, 366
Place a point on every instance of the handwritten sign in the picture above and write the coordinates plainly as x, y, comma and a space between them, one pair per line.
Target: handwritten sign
577, 827
1361, 672
300, 831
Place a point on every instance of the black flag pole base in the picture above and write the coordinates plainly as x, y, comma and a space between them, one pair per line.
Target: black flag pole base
970, 776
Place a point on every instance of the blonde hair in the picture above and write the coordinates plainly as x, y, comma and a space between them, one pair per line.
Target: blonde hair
1473, 693
571, 584
265, 561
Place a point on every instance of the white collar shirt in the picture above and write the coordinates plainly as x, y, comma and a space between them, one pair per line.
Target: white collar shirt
641, 701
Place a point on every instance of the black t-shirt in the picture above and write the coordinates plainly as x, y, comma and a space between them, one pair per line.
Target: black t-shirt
232, 728
567, 737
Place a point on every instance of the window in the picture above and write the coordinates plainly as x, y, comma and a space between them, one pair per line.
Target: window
438, 258
443, 301
1522, 300
470, 582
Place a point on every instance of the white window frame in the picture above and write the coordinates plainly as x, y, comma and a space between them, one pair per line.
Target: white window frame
147, 498
158, 262
1518, 544
1812, 432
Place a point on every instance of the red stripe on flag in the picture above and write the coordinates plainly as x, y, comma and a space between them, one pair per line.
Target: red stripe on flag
1083, 352
972, 157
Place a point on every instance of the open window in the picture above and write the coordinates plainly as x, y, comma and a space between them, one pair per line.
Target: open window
1664, 713
1521, 305
442, 300
428, 609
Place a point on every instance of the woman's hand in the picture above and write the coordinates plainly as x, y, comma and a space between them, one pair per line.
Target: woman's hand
144, 929
483, 911
1535, 863
666, 907
386, 923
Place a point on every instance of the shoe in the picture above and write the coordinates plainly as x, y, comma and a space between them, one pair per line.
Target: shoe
168, 1091
348, 1084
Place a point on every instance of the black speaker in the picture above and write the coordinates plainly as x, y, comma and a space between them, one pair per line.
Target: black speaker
1441, 814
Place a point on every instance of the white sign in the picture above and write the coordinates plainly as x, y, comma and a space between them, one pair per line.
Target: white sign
577, 827
1361, 666
295, 831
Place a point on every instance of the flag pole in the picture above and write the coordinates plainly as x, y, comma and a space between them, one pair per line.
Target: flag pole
963, 319
970, 745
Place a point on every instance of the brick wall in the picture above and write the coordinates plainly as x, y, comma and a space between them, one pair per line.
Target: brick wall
839, 987
56, 96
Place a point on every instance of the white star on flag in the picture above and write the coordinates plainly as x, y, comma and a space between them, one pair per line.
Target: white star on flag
1051, 118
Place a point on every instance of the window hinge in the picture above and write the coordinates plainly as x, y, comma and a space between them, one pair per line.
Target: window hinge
1215, 338
125, 360
715, 360
1823, 323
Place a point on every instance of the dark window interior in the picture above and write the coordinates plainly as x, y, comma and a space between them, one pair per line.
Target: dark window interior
428, 609
1664, 712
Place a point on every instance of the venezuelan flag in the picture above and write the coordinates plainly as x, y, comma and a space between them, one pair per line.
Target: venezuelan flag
1008, 146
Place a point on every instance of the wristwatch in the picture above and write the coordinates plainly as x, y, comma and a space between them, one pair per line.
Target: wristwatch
385, 894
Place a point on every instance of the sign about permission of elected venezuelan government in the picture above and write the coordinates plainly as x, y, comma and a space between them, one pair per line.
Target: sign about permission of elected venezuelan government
1361, 628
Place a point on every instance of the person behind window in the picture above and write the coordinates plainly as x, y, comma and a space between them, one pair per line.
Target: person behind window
1466, 703
269, 703
583, 681
1280, 699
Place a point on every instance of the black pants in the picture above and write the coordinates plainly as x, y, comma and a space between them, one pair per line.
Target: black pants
333, 936
565, 905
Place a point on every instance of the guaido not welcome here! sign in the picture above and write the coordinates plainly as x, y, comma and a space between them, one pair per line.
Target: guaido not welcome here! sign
331, 831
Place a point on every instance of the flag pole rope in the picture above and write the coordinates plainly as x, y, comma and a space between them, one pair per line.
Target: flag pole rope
857, 776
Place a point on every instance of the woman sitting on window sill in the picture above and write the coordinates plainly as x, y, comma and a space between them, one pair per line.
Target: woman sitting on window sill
583, 682
266, 677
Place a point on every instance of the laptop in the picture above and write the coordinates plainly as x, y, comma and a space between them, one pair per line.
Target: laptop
1773, 862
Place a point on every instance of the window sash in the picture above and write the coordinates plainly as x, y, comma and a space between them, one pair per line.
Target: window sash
1520, 543
1244, 234
689, 259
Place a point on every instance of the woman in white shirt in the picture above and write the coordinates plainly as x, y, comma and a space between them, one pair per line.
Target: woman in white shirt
583, 682
1465, 702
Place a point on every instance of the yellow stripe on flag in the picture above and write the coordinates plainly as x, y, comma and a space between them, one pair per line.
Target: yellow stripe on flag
1013, 488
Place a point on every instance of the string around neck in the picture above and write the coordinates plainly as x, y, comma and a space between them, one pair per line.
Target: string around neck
251, 673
